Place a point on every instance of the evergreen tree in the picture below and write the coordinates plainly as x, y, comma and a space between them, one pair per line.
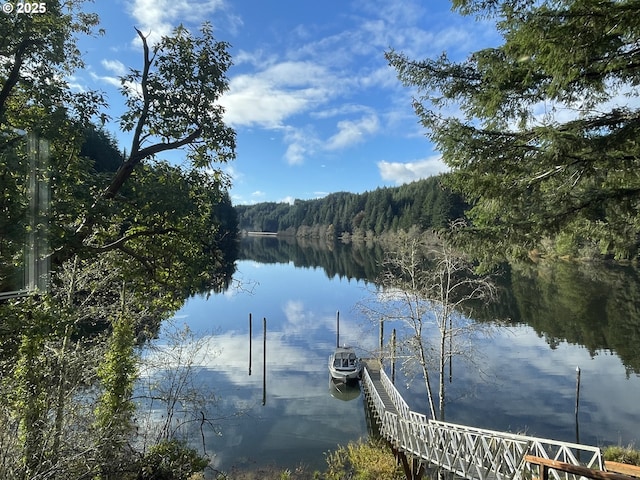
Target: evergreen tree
381, 210
548, 140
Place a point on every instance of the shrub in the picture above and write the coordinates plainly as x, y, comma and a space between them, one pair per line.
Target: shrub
363, 460
622, 455
172, 460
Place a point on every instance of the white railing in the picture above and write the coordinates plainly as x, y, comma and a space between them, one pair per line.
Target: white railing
469, 452
373, 396
394, 395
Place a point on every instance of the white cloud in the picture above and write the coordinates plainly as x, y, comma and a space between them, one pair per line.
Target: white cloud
232, 172
383, 77
340, 109
256, 58
295, 154
158, 17
302, 143
277, 94
114, 66
253, 101
113, 81
401, 173
271, 96
352, 132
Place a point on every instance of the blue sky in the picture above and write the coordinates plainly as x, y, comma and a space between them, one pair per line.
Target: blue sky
315, 106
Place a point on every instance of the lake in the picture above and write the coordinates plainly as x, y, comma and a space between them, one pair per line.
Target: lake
558, 318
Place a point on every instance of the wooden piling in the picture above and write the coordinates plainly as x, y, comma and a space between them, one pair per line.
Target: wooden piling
264, 361
393, 356
381, 342
577, 403
250, 340
338, 329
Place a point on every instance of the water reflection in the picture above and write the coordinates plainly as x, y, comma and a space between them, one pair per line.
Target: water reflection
344, 391
300, 419
590, 304
525, 381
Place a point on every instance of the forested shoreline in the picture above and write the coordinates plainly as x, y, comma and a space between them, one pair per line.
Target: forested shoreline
425, 204
540, 135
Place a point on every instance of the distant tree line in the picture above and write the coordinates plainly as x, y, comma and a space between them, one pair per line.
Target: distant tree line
425, 204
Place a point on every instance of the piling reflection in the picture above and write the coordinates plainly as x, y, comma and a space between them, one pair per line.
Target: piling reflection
523, 386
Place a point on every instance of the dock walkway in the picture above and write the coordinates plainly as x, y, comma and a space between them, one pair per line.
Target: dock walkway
468, 452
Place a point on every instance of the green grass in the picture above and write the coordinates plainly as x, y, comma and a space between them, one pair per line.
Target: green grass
361, 460
620, 454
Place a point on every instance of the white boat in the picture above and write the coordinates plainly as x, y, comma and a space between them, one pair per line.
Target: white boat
344, 365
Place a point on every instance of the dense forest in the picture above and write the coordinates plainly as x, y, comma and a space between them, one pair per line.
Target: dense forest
541, 131
426, 204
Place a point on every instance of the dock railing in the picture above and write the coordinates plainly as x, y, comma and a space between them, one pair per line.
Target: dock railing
469, 452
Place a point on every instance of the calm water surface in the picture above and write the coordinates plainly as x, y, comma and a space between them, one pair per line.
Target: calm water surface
521, 384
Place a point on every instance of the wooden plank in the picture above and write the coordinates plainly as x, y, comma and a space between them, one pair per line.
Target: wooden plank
623, 468
574, 469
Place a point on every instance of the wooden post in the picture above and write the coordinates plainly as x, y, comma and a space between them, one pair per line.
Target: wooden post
412, 468
577, 403
381, 342
544, 472
338, 329
577, 391
250, 337
264, 361
393, 356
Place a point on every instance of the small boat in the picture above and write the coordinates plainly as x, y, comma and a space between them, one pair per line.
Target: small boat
344, 365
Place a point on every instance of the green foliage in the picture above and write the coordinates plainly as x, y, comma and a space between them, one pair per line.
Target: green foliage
171, 460
182, 80
102, 148
164, 234
547, 142
66, 396
180, 228
615, 453
13, 229
175, 225
30, 400
183, 90
117, 375
39, 53
363, 460
41, 375
424, 203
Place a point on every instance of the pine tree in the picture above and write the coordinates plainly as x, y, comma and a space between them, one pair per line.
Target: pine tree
548, 140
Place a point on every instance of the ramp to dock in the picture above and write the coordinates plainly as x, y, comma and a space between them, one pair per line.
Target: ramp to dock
471, 453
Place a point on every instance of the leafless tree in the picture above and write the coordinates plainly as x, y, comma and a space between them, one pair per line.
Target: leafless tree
429, 289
